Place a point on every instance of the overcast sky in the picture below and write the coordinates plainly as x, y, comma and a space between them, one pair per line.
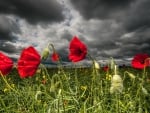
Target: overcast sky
110, 28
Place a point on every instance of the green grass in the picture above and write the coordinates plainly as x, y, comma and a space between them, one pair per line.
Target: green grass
75, 90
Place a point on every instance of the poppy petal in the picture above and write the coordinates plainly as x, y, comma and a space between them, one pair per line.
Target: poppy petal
55, 57
6, 64
28, 62
78, 50
26, 71
138, 61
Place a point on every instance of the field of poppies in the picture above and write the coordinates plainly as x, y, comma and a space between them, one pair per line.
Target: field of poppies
29, 87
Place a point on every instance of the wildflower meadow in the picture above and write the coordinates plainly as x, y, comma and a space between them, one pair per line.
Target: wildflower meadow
28, 86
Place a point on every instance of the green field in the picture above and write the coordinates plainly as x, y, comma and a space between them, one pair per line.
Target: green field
75, 90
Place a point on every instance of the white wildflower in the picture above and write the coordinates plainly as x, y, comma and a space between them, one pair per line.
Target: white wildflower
116, 84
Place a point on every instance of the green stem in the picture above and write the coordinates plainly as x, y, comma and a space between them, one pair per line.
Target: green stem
45, 70
63, 103
4, 106
117, 103
9, 86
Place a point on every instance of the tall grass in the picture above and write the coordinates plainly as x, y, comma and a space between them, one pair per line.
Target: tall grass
75, 90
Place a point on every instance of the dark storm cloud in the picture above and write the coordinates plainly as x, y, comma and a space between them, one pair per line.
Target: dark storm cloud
133, 14
7, 47
100, 8
130, 16
33, 10
101, 36
7, 27
138, 42
137, 16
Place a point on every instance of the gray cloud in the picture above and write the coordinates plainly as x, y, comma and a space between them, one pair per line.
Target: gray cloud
66, 35
33, 11
125, 28
9, 47
100, 36
15, 15
136, 42
101, 9
137, 16
7, 27
110, 28
132, 14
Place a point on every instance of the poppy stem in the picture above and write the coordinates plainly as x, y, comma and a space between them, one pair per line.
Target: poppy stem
45, 70
51, 45
93, 63
90, 57
7, 83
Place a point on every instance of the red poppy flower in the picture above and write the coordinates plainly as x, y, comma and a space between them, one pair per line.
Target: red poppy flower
6, 64
55, 57
78, 50
105, 68
139, 61
28, 62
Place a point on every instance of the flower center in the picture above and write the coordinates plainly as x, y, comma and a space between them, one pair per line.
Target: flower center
142, 61
78, 51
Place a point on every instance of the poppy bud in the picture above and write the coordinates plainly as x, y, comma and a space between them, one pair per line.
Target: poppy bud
55, 57
37, 93
96, 65
144, 91
116, 84
131, 75
45, 53
106, 68
112, 64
